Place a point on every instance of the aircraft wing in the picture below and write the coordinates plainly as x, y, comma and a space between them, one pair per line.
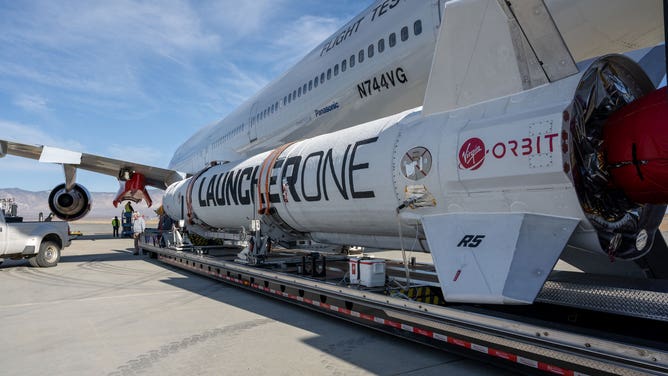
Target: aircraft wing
154, 176
133, 177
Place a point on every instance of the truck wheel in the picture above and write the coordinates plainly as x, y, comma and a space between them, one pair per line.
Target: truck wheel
49, 254
33, 261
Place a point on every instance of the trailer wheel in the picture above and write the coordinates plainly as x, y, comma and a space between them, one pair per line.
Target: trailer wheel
49, 254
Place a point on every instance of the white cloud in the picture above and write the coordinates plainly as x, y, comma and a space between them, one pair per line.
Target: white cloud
63, 77
30, 134
236, 19
161, 26
239, 84
33, 103
300, 37
103, 48
308, 31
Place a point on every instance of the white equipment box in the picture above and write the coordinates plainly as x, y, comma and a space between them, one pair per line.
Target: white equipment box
366, 271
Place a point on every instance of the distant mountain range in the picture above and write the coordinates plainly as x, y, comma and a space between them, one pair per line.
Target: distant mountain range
30, 204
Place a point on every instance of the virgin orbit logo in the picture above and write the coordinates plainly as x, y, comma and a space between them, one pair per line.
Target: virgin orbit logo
472, 154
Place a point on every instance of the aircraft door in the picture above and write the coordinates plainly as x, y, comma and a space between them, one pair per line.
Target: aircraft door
252, 123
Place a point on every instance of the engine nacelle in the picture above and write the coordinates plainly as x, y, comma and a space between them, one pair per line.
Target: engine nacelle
72, 205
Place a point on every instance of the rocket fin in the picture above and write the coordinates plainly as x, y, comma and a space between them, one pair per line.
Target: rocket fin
489, 49
495, 258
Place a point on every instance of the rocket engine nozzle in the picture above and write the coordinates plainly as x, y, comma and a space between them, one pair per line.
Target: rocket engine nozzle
619, 154
635, 140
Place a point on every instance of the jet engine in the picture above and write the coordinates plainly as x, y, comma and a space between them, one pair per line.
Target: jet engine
70, 205
619, 154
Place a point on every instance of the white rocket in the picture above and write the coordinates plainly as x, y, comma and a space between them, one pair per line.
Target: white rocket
497, 191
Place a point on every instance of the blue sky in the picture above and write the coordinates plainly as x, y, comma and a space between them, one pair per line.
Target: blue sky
133, 79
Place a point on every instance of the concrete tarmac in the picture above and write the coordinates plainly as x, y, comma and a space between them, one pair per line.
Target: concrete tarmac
103, 311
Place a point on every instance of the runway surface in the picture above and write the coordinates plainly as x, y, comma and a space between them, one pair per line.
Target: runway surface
103, 311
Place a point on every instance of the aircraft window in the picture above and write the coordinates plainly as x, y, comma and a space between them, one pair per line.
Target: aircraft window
329, 73
289, 97
272, 108
352, 61
299, 92
417, 27
370, 51
360, 56
322, 77
381, 45
276, 106
285, 100
343, 65
310, 85
315, 82
336, 70
393, 39
304, 89
404, 33
294, 94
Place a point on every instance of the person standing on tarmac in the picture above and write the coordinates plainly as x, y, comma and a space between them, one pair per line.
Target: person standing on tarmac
115, 224
138, 227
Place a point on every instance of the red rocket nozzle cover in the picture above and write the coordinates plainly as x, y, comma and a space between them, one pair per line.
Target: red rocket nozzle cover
636, 148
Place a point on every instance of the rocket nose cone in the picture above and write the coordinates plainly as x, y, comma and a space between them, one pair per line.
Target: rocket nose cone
636, 148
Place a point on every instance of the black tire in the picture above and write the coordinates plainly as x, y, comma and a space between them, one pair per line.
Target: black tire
49, 254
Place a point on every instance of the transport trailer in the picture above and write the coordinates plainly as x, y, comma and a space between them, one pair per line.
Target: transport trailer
577, 327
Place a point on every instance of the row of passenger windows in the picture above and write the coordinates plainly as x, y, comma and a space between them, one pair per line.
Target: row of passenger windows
358, 58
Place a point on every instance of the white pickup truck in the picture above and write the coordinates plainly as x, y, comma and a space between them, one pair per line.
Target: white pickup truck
39, 242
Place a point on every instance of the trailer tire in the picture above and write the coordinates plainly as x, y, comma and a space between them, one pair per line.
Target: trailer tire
49, 254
